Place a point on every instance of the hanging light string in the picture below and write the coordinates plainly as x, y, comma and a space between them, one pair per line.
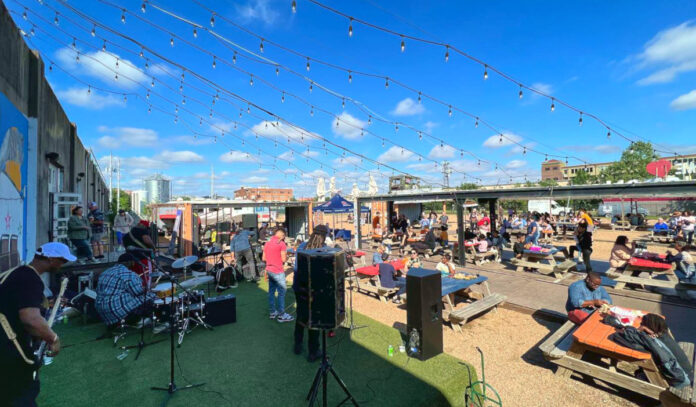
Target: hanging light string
487, 67
389, 79
94, 22
362, 107
201, 119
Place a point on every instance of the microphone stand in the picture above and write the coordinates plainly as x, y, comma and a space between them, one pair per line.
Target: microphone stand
172, 387
142, 344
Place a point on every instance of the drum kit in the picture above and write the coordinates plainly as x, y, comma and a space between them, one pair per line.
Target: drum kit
188, 310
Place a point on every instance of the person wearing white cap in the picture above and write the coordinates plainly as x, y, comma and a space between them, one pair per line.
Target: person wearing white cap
21, 300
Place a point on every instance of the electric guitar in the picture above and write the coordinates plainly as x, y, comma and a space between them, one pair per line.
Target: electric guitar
41, 351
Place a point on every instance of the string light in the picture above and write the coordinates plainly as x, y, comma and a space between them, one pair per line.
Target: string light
123, 16
249, 108
32, 32
73, 43
147, 94
521, 91
403, 44
261, 46
478, 163
55, 19
343, 103
420, 136
476, 123
116, 77
524, 150
234, 57
125, 98
171, 41
183, 100
369, 120
310, 87
212, 20
116, 63
446, 53
94, 31
251, 80
89, 90
350, 77
608, 134
152, 83
382, 142
149, 109
307, 64
580, 119
294, 6
24, 14
553, 105
350, 27
311, 111
450, 111
214, 64
77, 57
195, 32
419, 97
500, 140
386, 83
485, 72
277, 71
104, 46
142, 53
282, 98
142, 7
396, 127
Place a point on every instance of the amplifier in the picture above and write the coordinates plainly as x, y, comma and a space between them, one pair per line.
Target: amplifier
249, 220
221, 310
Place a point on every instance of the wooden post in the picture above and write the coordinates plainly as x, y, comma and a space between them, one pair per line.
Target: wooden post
356, 222
460, 234
493, 215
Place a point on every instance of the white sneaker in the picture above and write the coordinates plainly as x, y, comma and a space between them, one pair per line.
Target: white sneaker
285, 318
273, 315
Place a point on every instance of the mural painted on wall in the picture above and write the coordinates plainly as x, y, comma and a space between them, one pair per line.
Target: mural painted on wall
13, 180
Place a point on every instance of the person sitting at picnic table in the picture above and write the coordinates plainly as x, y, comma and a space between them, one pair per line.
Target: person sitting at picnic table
685, 269
445, 266
652, 335
413, 261
620, 253
584, 296
661, 227
377, 256
516, 223
424, 222
518, 247
498, 240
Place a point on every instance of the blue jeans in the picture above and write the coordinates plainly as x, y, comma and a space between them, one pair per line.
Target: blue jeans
83, 248
276, 282
533, 238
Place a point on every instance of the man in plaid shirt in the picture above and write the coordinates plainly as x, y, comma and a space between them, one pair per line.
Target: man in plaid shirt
121, 295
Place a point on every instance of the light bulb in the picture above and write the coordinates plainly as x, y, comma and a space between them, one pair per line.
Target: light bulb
142, 7
580, 119
125, 98
446, 53
149, 109
55, 19
476, 124
608, 134
350, 77
294, 6
183, 100
147, 94
520, 94
141, 54
181, 87
261, 46
403, 44
461, 153
234, 57
442, 145
123, 16
382, 142
310, 87
343, 103
116, 77
420, 136
94, 31
485, 72
214, 63
500, 140
402, 151
89, 90
249, 109
350, 28
282, 98
450, 111
32, 32
251, 80
553, 105
171, 41
195, 33
307, 64
369, 120
524, 150
396, 127
73, 43
419, 97
212, 20
386, 83
311, 112
116, 63
478, 163
104, 46
24, 13
77, 57
152, 83
176, 109
277, 71
566, 160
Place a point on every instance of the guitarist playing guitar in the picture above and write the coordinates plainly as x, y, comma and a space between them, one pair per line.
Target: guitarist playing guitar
21, 300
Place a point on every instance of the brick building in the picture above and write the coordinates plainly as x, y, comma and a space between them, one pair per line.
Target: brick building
264, 194
684, 166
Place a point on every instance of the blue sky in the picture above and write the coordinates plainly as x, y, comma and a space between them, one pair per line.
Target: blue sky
633, 64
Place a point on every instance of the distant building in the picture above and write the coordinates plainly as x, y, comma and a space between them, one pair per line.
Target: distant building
263, 194
404, 182
684, 166
158, 189
138, 201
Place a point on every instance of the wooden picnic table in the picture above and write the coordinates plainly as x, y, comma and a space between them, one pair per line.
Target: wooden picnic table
653, 267
543, 261
567, 346
371, 274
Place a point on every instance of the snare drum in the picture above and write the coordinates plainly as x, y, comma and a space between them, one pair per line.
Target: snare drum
163, 290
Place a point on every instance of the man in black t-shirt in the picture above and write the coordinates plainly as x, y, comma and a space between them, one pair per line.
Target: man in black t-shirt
139, 238
21, 300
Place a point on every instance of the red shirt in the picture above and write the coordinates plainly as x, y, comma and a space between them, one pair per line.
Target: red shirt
272, 253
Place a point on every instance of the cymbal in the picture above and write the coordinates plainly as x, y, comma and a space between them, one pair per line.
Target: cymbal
184, 262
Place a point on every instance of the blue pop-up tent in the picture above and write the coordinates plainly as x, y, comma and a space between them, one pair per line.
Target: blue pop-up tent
338, 204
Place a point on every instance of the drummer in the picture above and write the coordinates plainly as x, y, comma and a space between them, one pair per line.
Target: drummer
139, 261
122, 297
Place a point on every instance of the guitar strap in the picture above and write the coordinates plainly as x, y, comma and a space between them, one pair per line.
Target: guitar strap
5, 324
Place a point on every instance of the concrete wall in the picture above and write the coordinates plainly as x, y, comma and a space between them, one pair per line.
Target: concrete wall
23, 82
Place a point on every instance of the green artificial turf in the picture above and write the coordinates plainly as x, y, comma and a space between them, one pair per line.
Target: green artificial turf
250, 363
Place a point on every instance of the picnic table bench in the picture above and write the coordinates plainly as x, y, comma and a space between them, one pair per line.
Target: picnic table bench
373, 286
476, 256
636, 265
662, 236
544, 262
570, 342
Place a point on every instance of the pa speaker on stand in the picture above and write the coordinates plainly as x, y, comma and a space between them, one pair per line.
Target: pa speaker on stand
424, 313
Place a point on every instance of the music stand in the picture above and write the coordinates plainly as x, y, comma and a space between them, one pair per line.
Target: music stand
352, 327
321, 377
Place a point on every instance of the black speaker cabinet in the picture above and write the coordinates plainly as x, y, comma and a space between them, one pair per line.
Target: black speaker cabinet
221, 310
424, 313
250, 220
319, 288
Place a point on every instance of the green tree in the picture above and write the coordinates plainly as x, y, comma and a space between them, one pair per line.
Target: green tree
632, 163
467, 186
548, 183
583, 178
124, 200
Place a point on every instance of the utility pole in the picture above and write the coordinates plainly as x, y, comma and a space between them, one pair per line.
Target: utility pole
111, 178
118, 184
446, 171
212, 182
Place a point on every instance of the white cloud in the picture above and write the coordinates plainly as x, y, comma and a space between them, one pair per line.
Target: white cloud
193, 140
236, 156
545, 88
408, 107
429, 126
94, 100
349, 127
516, 164
271, 129
671, 51
102, 65
117, 137
684, 102
254, 180
136, 165
180, 156
508, 139
443, 152
287, 156
395, 155
258, 10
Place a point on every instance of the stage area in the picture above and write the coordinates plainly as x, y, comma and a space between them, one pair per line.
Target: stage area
248, 363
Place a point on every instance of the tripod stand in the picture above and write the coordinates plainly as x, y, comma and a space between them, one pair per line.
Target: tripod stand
322, 378
141, 343
172, 388
352, 327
